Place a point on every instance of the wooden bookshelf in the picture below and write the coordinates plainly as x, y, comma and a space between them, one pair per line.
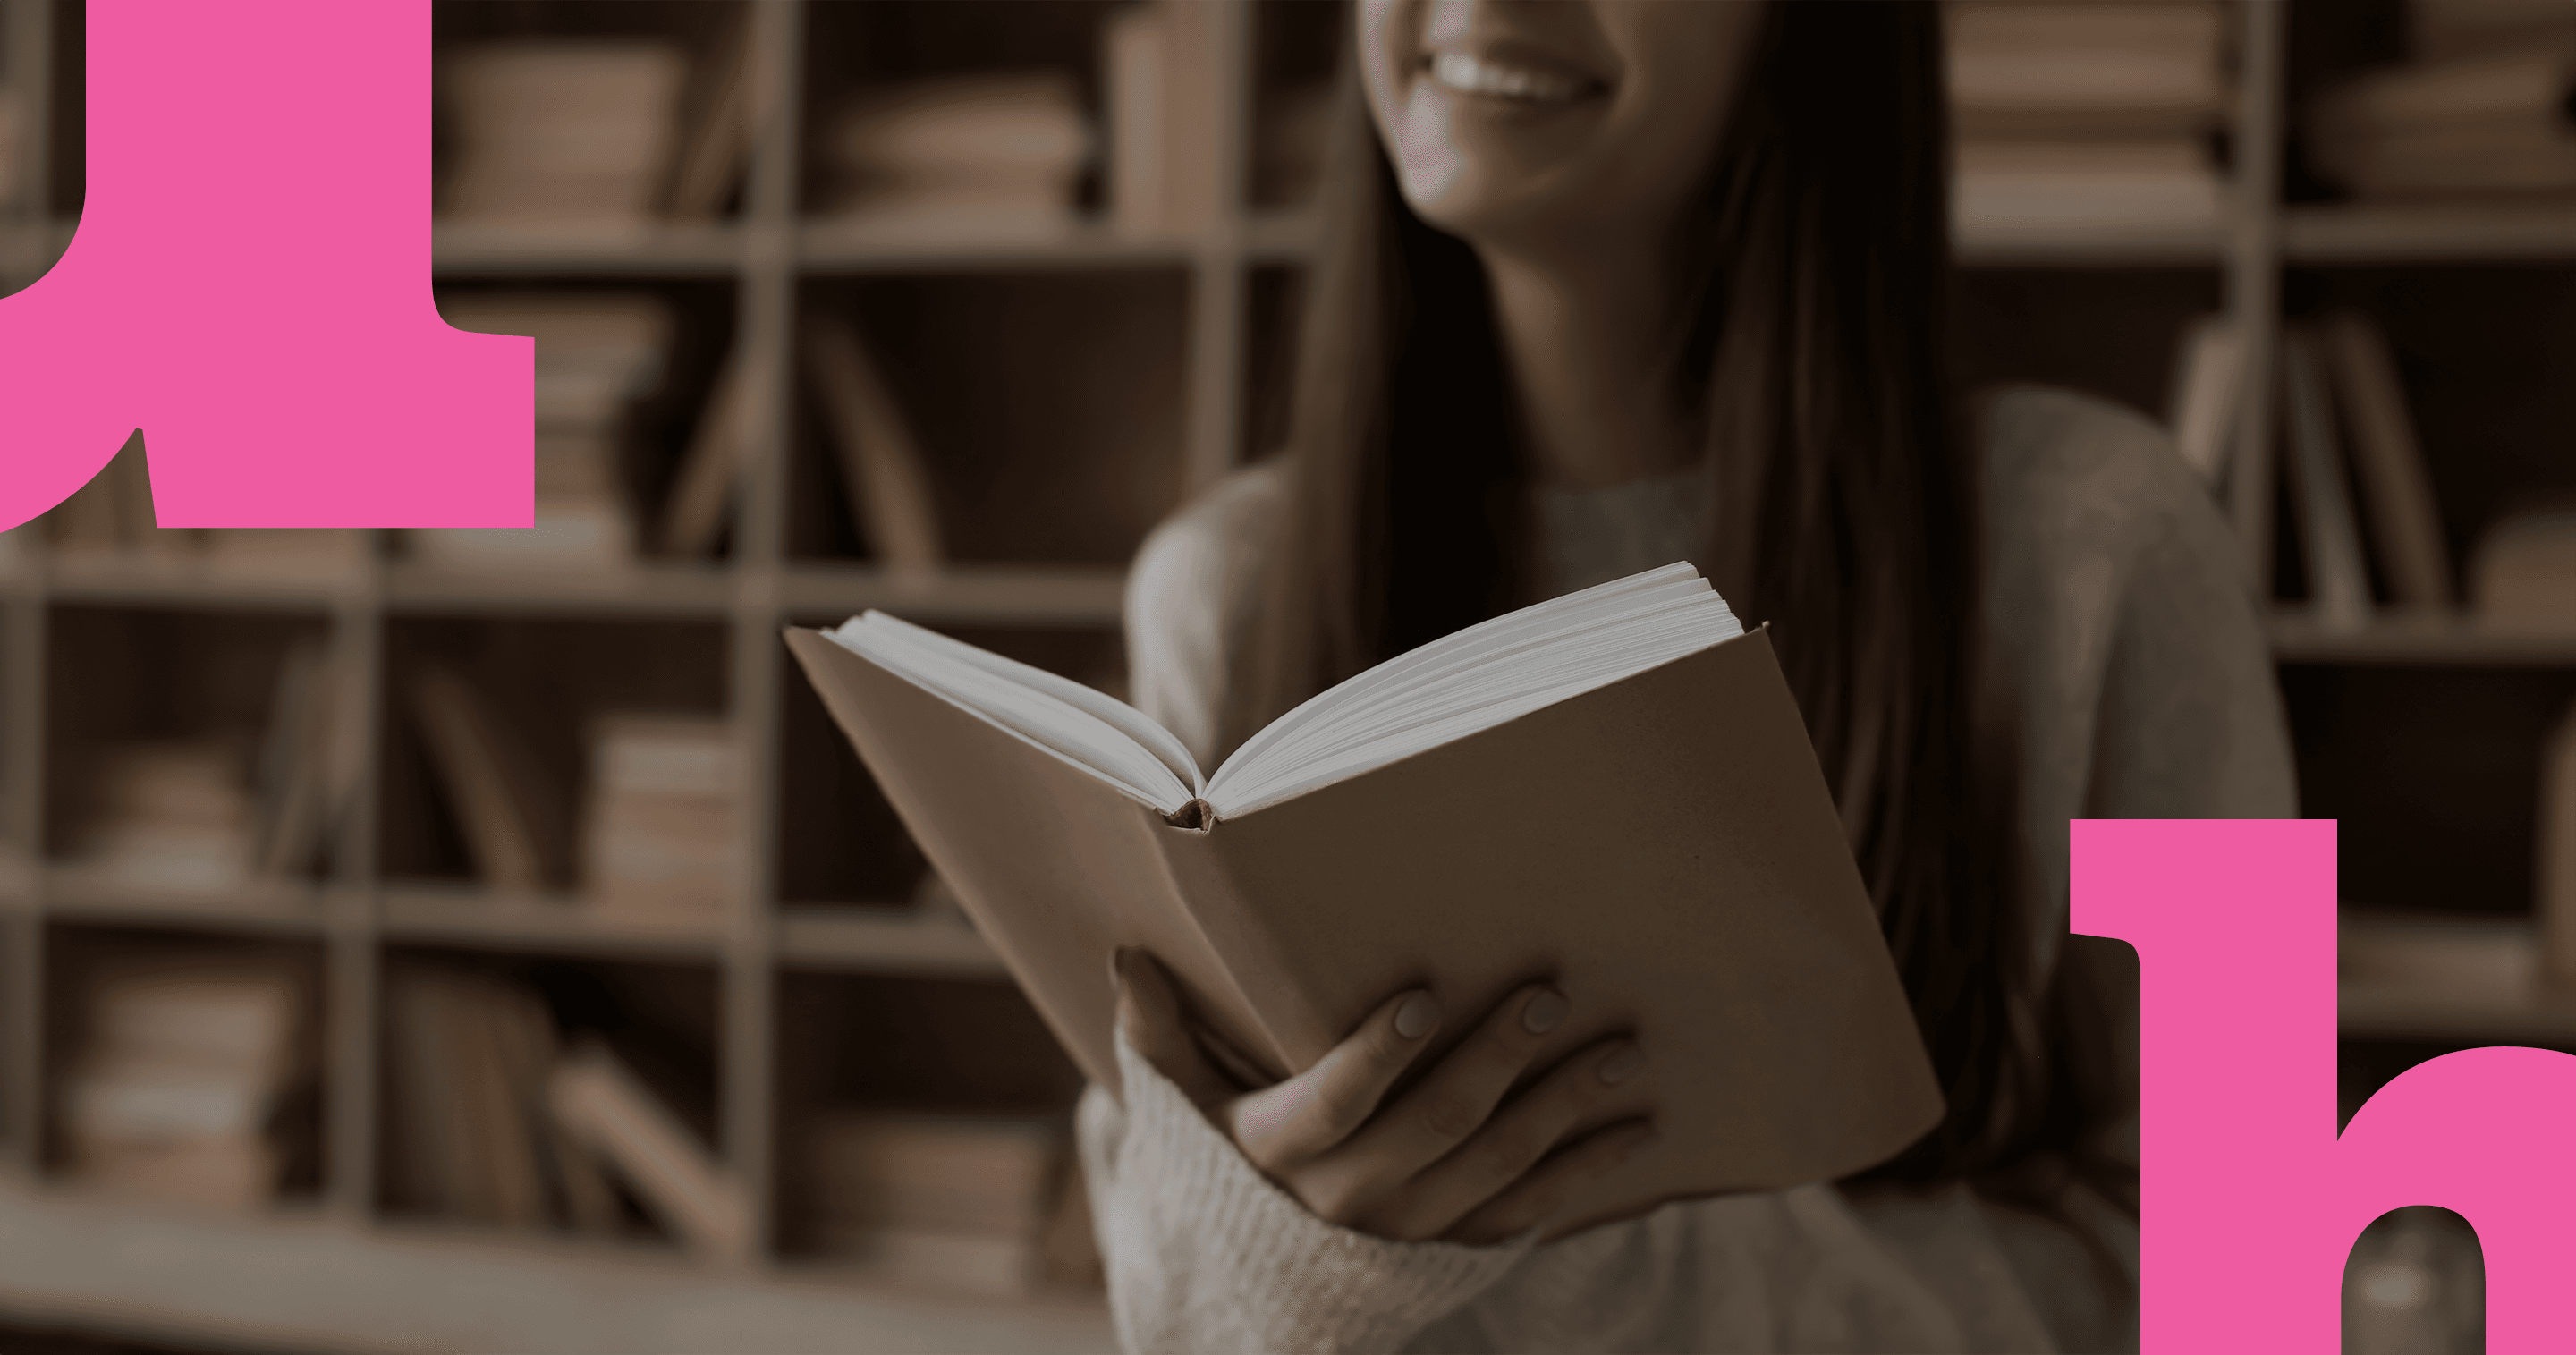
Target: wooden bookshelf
764, 258
229, 1279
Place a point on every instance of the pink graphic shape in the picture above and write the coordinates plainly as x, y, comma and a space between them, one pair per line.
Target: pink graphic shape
2249, 1204
250, 286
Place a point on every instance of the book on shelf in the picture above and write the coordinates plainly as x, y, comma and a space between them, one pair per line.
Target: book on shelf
609, 1112
714, 146
2490, 122
2555, 841
2201, 410
960, 1201
2397, 492
661, 831
508, 810
1158, 60
2329, 538
2523, 571
14, 134
882, 467
298, 775
974, 153
1613, 789
711, 467
597, 354
560, 131
183, 1064
471, 1136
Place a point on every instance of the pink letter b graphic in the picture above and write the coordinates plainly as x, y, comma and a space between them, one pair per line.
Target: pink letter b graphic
250, 286
2249, 1202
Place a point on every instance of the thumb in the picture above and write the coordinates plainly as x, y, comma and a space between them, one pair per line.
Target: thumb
1150, 1014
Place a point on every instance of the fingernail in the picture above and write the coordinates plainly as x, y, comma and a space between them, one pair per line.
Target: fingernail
1545, 1012
1417, 1016
1621, 1066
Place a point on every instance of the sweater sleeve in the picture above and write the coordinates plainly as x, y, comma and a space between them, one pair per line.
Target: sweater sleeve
1204, 1254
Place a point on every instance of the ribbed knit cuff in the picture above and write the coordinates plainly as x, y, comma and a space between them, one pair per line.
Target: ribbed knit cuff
1205, 1254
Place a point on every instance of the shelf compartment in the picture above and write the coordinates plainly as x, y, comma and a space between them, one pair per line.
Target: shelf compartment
2401, 638
886, 940
551, 924
2413, 977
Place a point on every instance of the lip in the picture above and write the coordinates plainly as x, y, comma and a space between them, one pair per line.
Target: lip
1516, 52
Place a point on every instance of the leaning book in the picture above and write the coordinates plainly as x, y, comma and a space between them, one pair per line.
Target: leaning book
1613, 790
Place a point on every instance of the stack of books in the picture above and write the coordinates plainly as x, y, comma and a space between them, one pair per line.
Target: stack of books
183, 1063
172, 816
2085, 115
661, 837
597, 353
977, 153
560, 130
2487, 108
209, 815
982, 1203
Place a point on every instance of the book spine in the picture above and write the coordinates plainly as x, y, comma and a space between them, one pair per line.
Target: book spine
2338, 585
2395, 487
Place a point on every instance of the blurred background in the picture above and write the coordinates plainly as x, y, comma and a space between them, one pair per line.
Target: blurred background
444, 940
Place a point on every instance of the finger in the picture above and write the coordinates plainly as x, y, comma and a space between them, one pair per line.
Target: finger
1313, 1112
1149, 1011
1541, 1198
1511, 1143
1454, 1099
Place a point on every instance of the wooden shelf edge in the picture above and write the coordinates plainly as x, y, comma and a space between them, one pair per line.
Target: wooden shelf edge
1029, 595
885, 940
323, 1283
2429, 233
549, 923
2402, 638
72, 894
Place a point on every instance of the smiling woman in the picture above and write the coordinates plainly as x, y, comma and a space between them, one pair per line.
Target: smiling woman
1605, 285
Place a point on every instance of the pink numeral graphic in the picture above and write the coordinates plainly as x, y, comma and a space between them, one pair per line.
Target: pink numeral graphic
2249, 1203
250, 286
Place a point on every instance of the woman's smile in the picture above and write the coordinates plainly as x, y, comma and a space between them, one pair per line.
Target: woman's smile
1517, 81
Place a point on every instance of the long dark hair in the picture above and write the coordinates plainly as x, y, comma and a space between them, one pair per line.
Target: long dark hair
1847, 501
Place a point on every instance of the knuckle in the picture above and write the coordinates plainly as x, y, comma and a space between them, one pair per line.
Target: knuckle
1449, 1117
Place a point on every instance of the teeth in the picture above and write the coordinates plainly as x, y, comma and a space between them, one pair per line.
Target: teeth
1467, 74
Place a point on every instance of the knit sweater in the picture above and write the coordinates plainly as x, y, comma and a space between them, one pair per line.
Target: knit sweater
2126, 646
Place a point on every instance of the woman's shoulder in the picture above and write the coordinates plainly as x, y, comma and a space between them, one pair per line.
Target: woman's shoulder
1189, 596
2073, 481
1194, 562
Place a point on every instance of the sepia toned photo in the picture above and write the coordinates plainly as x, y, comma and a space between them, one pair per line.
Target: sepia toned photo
1305, 676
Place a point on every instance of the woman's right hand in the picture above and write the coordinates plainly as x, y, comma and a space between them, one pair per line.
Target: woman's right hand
1449, 1159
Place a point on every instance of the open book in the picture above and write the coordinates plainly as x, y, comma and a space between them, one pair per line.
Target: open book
1613, 790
